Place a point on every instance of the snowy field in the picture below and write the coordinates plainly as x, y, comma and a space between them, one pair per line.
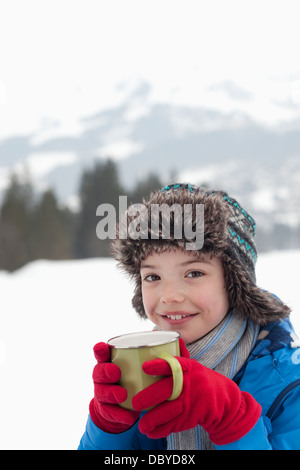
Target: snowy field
52, 313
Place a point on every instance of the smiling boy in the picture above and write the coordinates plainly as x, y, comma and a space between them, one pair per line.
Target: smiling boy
184, 293
239, 356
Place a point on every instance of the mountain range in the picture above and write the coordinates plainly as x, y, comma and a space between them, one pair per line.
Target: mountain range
259, 165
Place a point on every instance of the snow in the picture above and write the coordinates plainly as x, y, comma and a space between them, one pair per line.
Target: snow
53, 312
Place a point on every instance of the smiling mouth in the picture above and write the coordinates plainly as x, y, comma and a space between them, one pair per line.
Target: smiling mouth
177, 317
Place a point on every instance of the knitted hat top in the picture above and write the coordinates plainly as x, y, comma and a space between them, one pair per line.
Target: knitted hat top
229, 233
241, 226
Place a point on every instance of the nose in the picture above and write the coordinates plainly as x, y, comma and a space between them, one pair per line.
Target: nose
171, 293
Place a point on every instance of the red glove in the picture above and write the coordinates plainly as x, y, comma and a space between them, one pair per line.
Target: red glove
208, 399
104, 409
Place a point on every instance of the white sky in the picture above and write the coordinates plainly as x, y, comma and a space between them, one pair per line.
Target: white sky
65, 59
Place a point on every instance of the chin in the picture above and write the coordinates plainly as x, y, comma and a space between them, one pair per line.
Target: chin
188, 340
190, 337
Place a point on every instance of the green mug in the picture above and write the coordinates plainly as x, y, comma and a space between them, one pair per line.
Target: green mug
131, 350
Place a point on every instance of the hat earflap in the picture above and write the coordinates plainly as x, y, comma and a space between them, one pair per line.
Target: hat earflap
248, 299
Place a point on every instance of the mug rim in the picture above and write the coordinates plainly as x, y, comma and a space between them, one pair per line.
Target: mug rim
175, 336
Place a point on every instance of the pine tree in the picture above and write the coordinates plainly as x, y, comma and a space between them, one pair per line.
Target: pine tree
51, 238
15, 224
99, 185
144, 188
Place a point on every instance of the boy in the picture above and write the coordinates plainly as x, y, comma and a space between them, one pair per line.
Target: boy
239, 353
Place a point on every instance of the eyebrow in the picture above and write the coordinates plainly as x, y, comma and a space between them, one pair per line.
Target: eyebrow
184, 263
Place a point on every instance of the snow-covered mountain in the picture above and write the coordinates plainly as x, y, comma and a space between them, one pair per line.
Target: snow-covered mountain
258, 165
270, 192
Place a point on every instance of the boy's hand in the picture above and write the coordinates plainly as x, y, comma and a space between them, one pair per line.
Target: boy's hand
208, 399
104, 407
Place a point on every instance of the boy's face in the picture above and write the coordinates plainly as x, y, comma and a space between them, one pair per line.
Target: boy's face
184, 293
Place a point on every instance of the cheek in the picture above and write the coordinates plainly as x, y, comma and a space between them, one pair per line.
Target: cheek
219, 299
212, 299
222, 304
147, 300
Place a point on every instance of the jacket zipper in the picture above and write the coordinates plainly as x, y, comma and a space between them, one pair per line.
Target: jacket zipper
279, 399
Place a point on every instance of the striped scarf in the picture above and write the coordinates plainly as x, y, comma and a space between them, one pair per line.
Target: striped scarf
224, 349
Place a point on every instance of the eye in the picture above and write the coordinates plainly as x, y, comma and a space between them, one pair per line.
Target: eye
151, 278
194, 274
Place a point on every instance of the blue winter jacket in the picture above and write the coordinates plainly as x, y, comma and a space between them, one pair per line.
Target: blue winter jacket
271, 374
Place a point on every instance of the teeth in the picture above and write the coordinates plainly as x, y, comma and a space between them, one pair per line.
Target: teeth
176, 317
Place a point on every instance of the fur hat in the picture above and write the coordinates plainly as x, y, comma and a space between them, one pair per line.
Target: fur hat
228, 234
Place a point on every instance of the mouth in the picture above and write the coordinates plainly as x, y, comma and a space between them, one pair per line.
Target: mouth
175, 317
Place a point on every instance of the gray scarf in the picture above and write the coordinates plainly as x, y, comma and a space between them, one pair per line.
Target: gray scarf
224, 349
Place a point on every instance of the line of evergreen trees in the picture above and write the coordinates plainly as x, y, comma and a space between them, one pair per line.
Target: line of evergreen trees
34, 227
